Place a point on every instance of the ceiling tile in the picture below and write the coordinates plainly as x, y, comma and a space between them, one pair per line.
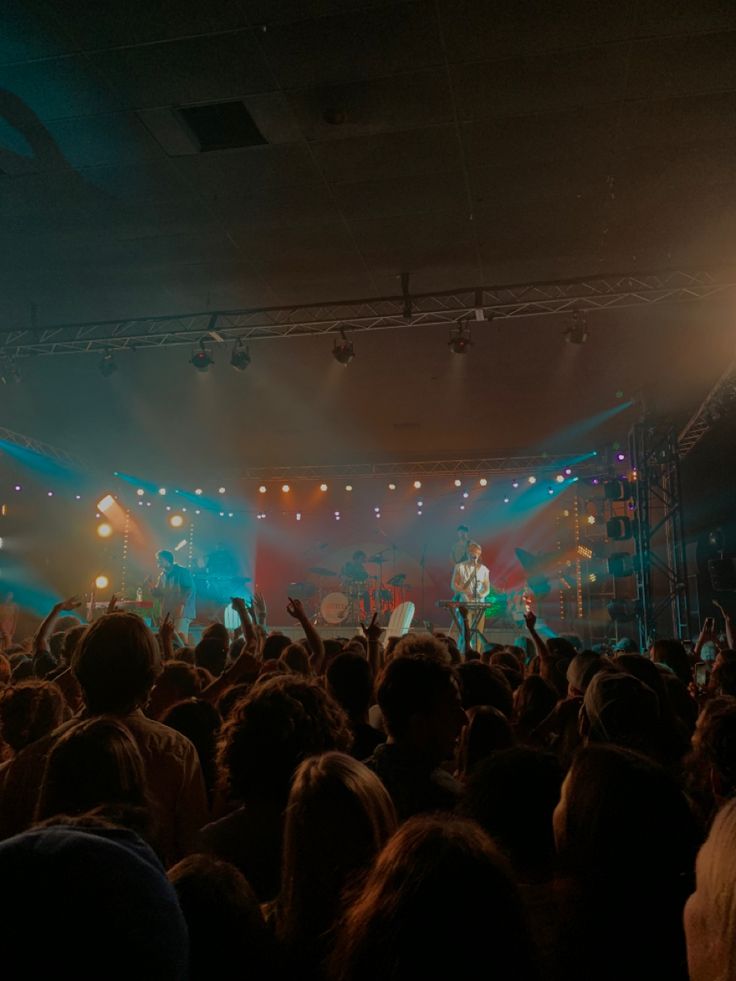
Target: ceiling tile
546, 83
403, 102
31, 30
409, 196
58, 88
385, 155
369, 43
204, 69
475, 30
251, 167
664, 67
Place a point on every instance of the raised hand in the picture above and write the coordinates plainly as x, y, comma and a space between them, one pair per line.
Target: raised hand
239, 605
73, 603
295, 609
374, 630
530, 619
259, 607
112, 604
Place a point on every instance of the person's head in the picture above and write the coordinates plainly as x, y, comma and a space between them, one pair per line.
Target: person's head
438, 901
165, 559
29, 710
421, 706
211, 654
178, 680
116, 663
200, 722
710, 913
268, 733
487, 730
714, 756
350, 682
723, 678
474, 551
72, 637
462, 533
424, 645
673, 654
274, 646
620, 709
359, 556
5, 670
224, 919
296, 659
512, 794
338, 818
481, 684
108, 909
533, 701
95, 764
623, 820
217, 631
582, 669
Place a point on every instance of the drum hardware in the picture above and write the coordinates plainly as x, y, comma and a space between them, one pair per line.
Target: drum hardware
302, 590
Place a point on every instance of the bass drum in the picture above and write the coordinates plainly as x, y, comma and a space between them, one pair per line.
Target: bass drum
334, 608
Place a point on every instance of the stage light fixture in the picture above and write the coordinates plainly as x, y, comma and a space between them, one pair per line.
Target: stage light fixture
577, 331
620, 565
102, 582
17, 487
176, 521
162, 491
419, 512
532, 479
617, 490
591, 519
392, 486
107, 365
458, 483
298, 516
198, 491
285, 488
348, 487
568, 471
466, 495
220, 490
262, 489
560, 478
49, 493
105, 503
182, 544
514, 484
104, 530
343, 351
483, 482
460, 339
323, 487
376, 510
417, 484
201, 359
619, 529
550, 490
140, 492
620, 457
506, 500
462, 507
240, 358
420, 504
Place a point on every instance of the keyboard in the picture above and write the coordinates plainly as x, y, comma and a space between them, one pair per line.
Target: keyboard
456, 604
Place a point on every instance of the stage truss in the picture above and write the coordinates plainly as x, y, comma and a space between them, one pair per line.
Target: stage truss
478, 305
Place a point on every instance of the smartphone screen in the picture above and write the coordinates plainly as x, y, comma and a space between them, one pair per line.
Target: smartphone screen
702, 673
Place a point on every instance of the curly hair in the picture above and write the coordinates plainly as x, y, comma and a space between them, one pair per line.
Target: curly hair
425, 645
29, 710
270, 731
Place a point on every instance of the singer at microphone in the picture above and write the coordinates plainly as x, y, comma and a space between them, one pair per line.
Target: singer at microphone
471, 583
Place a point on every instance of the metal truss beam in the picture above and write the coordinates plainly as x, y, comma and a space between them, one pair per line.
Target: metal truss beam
464, 467
45, 449
721, 397
660, 561
384, 313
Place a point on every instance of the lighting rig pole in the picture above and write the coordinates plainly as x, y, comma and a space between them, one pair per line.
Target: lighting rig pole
660, 564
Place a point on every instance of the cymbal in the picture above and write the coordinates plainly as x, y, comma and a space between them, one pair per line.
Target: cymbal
377, 559
398, 579
317, 570
302, 590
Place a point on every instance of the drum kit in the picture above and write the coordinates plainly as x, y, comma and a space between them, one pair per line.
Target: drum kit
350, 597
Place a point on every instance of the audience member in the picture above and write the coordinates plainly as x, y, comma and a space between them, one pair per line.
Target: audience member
350, 682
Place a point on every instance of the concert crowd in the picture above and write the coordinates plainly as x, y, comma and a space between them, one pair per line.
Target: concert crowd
363, 809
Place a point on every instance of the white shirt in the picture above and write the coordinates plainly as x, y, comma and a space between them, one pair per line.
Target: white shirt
480, 581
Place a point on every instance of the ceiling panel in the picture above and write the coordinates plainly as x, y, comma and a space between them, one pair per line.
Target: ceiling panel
540, 84
664, 67
409, 153
204, 69
363, 44
476, 30
57, 88
365, 108
421, 194
251, 167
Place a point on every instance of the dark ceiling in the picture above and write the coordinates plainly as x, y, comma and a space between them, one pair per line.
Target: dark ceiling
465, 143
